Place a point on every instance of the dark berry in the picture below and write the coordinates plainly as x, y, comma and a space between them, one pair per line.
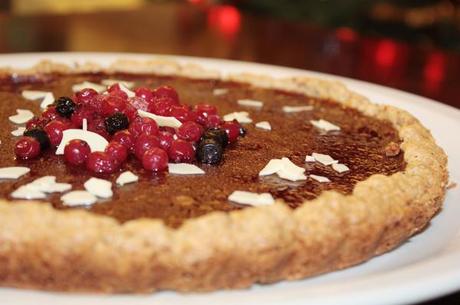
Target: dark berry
243, 131
209, 151
54, 130
116, 122
217, 134
125, 138
101, 162
65, 106
190, 131
143, 143
40, 135
143, 125
166, 138
117, 151
181, 151
27, 148
232, 129
155, 159
76, 152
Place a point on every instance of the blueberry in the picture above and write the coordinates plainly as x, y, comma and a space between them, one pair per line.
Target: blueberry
116, 122
40, 135
217, 134
209, 151
65, 106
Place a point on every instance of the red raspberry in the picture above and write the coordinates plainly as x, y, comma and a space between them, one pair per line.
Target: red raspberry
139, 103
97, 125
232, 129
203, 111
144, 93
27, 148
115, 90
117, 151
190, 131
50, 113
54, 129
101, 162
213, 121
181, 151
130, 112
96, 103
125, 138
143, 125
79, 114
143, 143
112, 104
166, 138
155, 159
76, 152
36, 122
161, 107
182, 113
84, 96
168, 92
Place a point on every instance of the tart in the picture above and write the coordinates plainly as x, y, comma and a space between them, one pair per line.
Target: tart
317, 179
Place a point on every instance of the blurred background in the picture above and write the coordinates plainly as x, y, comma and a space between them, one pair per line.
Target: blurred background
413, 45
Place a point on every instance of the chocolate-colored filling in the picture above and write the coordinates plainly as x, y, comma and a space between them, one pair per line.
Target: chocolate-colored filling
360, 144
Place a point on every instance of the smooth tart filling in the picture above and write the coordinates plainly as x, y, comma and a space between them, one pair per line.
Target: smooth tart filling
224, 145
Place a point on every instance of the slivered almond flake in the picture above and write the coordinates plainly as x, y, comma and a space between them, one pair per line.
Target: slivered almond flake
18, 132
13, 172
99, 187
292, 109
324, 125
250, 103
285, 169
48, 184
128, 92
320, 179
249, 198
264, 125
33, 94
219, 91
184, 169
86, 84
126, 177
241, 116
23, 192
310, 159
78, 198
324, 159
47, 100
21, 116
161, 120
340, 168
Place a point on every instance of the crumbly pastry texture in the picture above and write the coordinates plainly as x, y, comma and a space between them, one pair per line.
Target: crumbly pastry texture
74, 250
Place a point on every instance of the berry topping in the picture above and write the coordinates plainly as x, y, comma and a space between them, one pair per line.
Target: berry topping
143, 125
161, 107
217, 134
139, 103
76, 152
116, 122
166, 92
155, 159
27, 148
117, 151
36, 122
203, 111
182, 113
65, 106
125, 138
243, 131
40, 135
112, 104
54, 130
84, 96
79, 114
101, 162
144, 93
232, 129
50, 113
209, 151
213, 121
190, 131
166, 138
143, 143
97, 125
181, 151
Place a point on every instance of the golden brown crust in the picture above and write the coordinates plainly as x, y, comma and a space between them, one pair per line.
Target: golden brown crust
44, 248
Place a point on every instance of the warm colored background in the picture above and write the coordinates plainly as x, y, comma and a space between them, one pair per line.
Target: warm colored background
413, 45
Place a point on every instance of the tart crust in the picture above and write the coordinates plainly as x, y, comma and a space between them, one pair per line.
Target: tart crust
75, 250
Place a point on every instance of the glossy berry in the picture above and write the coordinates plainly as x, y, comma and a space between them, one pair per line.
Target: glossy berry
143, 143
143, 126
117, 151
116, 122
190, 131
232, 129
182, 113
209, 151
166, 92
112, 104
40, 135
36, 122
125, 138
97, 125
79, 114
166, 138
144, 93
213, 121
139, 103
115, 90
203, 111
161, 107
216, 134
76, 152
54, 129
65, 106
84, 96
181, 151
101, 162
130, 112
155, 159
27, 148
50, 113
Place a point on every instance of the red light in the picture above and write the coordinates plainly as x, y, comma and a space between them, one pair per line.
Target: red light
346, 34
435, 68
225, 18
385, 54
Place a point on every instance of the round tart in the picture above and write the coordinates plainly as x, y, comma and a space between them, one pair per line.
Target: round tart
315, 178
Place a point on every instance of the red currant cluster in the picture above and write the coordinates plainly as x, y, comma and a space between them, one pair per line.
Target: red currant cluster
114, 115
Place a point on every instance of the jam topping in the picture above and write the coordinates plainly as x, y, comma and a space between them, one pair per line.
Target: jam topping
298, 127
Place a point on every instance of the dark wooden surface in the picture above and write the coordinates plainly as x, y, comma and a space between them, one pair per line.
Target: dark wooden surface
224, 32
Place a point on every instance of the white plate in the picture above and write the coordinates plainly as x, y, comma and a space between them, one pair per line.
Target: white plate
426, 266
